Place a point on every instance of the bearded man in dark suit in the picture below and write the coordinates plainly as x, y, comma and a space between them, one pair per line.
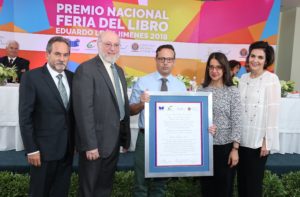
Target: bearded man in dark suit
47, 122
102, 117
12, 59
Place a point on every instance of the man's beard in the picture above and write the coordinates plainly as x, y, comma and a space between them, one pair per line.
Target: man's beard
59, 66
110, 59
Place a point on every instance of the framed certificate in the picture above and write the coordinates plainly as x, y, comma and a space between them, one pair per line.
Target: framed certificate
177, 141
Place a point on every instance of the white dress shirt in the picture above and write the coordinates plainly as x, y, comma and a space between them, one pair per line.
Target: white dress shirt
107, 66
54, 73
13, 59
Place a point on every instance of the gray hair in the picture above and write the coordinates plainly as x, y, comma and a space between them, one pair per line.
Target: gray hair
57, 39
102, 33
12, 42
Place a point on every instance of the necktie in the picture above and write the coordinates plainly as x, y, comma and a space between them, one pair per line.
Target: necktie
10, 64
164, 86
62, 90
118, 91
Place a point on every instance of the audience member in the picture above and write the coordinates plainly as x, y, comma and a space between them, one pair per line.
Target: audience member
12, 59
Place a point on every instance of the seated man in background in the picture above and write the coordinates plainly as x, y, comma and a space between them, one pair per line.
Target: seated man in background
12, 59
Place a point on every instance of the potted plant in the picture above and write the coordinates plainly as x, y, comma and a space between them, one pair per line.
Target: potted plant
130, 80
286, 87
185, 79
235, 81
7, 73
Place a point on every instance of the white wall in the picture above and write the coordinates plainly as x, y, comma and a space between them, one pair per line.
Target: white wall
288, 53
295, 70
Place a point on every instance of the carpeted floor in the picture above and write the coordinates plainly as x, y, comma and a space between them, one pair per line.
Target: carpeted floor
15, 161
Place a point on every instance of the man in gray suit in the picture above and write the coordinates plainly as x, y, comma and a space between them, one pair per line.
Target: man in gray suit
102, 117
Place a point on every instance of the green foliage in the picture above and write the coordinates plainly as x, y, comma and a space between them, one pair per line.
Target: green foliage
272, 186
130, 80
7, 72
183, 187
291, 182
123, 184
13, 185
74, 185
16, 185
287, 86
185, 79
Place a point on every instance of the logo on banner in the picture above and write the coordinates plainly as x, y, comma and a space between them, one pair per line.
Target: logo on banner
143, 48
92, 44
243, 52
74, 43
135, 46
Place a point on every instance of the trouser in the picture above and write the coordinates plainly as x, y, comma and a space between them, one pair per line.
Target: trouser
221, 183
146, 186
51, 179
96, 177
250, 172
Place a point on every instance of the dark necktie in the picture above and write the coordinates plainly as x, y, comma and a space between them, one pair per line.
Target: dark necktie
10, 63
118, 91
164, 86
62, 90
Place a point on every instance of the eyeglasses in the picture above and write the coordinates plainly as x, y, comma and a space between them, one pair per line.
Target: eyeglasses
110, 45
167, 59
217, 68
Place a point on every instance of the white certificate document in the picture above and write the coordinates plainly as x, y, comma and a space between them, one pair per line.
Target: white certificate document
178, 134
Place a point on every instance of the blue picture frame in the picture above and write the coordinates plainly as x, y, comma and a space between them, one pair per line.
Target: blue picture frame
205, 168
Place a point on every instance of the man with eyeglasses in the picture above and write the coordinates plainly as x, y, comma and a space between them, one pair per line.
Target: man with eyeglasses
101, 111
161, 80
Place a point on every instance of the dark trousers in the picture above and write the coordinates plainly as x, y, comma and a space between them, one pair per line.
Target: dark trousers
51, 179
250, 172
221, 183
143, 187
96, 177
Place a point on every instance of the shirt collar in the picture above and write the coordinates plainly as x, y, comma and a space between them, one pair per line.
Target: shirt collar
106, 63
53, 72
13, 58
158, 76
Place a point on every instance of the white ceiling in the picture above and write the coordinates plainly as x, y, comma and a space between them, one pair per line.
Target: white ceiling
289, 4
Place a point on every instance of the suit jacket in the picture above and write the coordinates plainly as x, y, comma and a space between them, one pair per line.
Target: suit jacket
96, 109
20, 63
46, 125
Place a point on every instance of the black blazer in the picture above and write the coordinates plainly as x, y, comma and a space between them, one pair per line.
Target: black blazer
96, 109
46, 125
21, 64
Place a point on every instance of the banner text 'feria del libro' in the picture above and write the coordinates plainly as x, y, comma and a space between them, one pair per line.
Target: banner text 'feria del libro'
195, 28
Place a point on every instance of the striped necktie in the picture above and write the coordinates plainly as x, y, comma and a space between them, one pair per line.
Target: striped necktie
118, 91
62, 90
